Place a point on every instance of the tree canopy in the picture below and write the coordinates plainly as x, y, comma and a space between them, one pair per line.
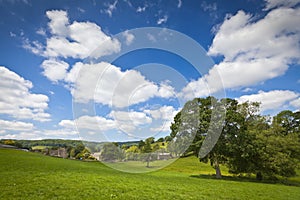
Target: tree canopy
248, 142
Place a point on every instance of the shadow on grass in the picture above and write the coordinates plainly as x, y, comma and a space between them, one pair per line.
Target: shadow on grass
249, 179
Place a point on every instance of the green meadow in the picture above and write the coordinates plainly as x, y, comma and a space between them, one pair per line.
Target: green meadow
26, 175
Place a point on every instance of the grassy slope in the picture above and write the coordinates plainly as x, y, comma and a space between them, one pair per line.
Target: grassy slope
25, 175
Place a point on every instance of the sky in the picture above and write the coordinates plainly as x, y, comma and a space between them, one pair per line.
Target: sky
120, 70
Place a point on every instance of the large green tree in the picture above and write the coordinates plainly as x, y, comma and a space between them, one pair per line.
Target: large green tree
248, 143
199, 122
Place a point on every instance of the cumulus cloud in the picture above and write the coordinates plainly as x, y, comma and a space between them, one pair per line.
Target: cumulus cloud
94, 82
107, 84
18, 101
21, 130
253, 50
89, 122
278, 30
16, 125
73, 39
34, 46
55, 70
41, 32
59, 22
272, 100
43, 134
296, 103
164, 112
165, 115
128, 37
86, 40
79, 40
280, 3
130, 121
23, 136
124, 121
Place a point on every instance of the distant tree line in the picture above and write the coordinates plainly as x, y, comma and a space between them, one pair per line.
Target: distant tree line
147, 150
72, 148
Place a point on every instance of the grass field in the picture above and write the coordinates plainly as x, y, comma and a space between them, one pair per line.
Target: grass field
25, 175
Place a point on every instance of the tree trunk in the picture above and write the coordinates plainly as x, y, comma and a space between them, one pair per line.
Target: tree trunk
218, 170
259, 176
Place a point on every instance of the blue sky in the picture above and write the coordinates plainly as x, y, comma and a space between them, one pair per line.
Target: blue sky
84, 69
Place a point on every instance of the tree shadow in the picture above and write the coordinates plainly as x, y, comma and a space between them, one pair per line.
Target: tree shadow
248, 179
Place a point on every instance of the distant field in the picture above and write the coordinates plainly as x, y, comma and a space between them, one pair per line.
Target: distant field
25, 175
40, 147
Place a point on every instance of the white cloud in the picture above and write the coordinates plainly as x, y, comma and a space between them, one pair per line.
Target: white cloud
254, 51
58, 22
16, 99
280, 3
41, 32
119, 120
199, 88
69, 124
179, 4
165, 115
11, 34
128, 37
90, 123
74, 40
107, 84
247, 90
296, 103
278, 30
85, 77
55, 70
129, 121
58, 133
43, 134
132, 123
16, 125
272, 100
141, 9
209, 7
21, 130
110, 8
71, 40
162, 20
23, 136
88, 40
166, 91
35, 47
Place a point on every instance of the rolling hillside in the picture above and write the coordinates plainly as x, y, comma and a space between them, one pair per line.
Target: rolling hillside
25, 175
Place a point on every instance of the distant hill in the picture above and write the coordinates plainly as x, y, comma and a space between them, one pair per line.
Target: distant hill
28, 144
